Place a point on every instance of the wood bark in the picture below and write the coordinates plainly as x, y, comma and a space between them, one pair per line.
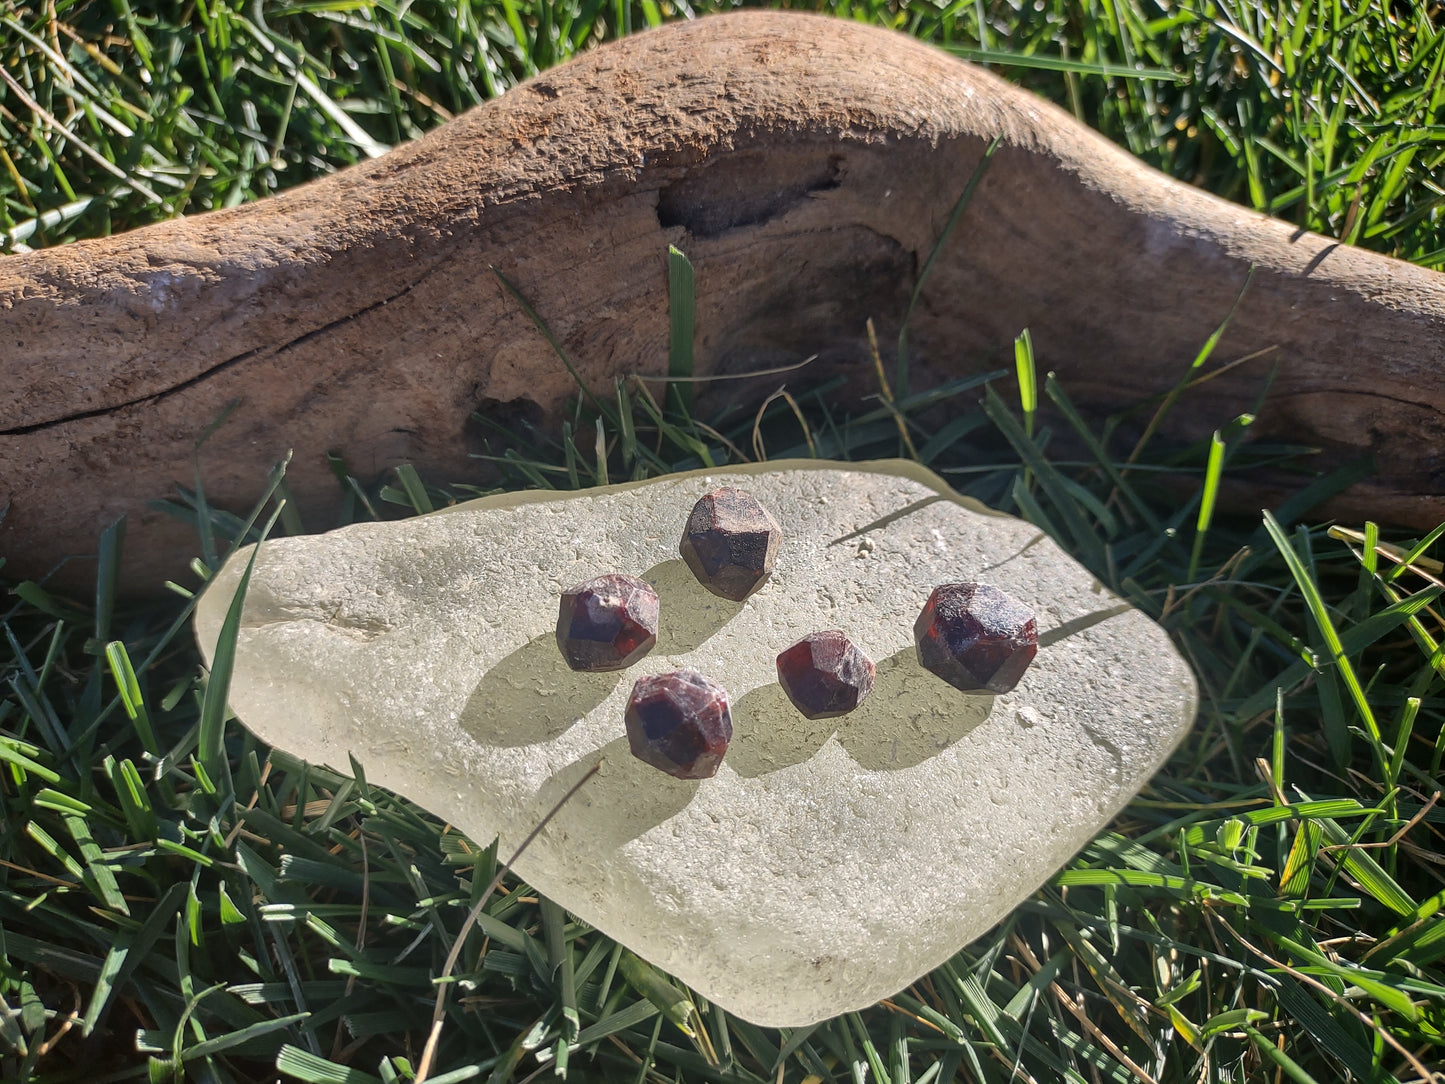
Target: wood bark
805, 165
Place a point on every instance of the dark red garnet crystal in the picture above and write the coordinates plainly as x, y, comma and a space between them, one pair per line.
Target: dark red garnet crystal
680, 723
975, 637
825, 675
731, 543
607, 623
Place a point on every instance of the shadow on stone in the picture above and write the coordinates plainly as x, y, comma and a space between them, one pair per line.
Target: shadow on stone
1079, 624
532, 696
1030, 544
625, 799
769, 733
908, 717
690, 612
889, 519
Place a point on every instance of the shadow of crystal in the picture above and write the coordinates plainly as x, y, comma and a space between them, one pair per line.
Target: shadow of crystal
909, 716
532, 696
769, 733
690, 613
624, 800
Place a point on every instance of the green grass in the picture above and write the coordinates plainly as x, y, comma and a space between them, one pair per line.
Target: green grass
178, 901
117, 114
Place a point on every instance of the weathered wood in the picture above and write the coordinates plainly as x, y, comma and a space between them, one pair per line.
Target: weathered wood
357, 314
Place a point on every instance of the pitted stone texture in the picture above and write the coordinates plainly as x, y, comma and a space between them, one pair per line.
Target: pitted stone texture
825, 675
730, 543
826, 864
607, 623
976, 637
679, 723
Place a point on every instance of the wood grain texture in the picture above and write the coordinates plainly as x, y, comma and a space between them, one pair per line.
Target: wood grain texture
358, 314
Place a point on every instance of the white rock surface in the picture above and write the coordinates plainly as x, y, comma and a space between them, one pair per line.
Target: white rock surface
828, 864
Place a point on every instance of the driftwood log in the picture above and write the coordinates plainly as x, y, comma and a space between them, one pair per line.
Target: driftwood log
805, 165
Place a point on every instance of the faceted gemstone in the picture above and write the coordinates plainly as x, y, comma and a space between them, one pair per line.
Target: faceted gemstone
975, 637
731, 543
607, 623
825, 675
679, 722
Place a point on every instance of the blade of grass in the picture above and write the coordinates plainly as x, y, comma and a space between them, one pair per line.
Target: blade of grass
1028, 380
681, 330
1206, 351
128, 686
1319, 612
552, 340
223, 662
1004, 59
129, 952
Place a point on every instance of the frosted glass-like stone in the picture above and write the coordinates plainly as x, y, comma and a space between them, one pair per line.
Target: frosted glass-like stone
828, 863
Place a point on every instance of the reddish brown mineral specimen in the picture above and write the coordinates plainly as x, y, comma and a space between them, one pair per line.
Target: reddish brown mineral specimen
731, 543
607, 623
825, 675
975, 637
680, 723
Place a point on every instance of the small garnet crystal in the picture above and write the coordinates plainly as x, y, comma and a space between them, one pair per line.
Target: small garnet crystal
731, 543
975, 637
607, 623
825, 675
679, 722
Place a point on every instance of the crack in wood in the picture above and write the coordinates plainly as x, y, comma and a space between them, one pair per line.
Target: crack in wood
206, 374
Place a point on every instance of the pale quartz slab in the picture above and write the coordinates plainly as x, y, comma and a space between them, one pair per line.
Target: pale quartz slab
828, 864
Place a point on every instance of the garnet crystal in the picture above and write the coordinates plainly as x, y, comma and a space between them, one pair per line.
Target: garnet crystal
680, 723
731, 543
825, 675
975, 637
607, 623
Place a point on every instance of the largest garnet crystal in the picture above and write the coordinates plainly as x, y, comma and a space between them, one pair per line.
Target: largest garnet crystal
976, 637
607, 623
680, 723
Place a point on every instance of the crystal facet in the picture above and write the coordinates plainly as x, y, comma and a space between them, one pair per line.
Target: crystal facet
731, 543
607, 623
825, 675
976, 637
679, 722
